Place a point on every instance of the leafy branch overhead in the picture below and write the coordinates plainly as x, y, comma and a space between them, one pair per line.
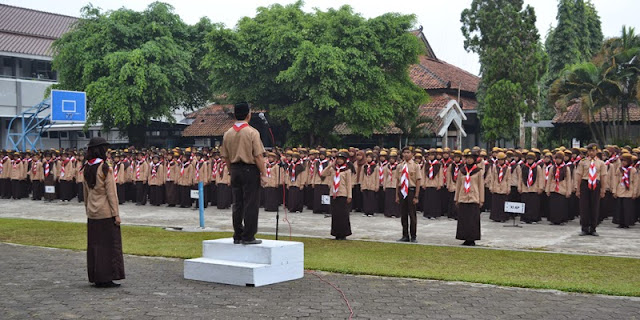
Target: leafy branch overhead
315, 70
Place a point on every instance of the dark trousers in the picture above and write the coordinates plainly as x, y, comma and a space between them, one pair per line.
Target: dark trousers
141, 192
38, 189
589, 206
17, 187
5, 188
80, 192
66, 190
408, 212
156, 195
204, 194
172, 196
120, 188
245, 186
185, 196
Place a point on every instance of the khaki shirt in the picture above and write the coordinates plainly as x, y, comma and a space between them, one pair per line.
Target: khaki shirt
415, 175
36, 173
69, 170
476, 189
619, 189
101, 202
369, 182
565, 187
346, 182
436, 181
582, 172
538, 184
451, 185
499, 187
390, 176
242, 146
160, 176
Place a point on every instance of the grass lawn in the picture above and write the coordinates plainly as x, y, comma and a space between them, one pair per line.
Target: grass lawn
572, 273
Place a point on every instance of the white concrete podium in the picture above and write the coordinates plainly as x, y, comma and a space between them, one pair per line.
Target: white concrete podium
247, 265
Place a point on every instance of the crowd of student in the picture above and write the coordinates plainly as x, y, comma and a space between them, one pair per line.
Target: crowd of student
559, 184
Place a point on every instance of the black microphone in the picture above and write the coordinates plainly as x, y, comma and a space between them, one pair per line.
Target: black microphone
263, 118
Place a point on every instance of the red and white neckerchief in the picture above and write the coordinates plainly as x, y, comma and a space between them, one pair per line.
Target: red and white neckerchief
239, 126
138, 165
637, 164
456, 170
94, 161
269, 166
445, 168
404, 181
557, 176
116, 169
198, 165
46, 168
381, 172
293, 170
312, 168
625, 177
467, 179
530, 175
221, 168
169, 164
391, 167
501, 172
336, 179
64, 164
431, 164
547, 169
2, 163
593, 174
370, 167
182, 166
154, 169
15, 163
322, 164
610, 160
34, 167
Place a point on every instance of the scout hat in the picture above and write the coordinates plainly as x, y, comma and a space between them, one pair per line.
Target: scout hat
592, 146
343, 154
97, 141
393, 153
559, 155
384, 153
501, 155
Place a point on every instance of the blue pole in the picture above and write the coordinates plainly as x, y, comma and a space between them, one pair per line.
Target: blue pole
201, 203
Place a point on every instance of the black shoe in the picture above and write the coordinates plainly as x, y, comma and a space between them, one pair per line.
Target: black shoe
237, 241
595, 234
403, 239
171, 205
254, 241
583, 233
469, 243
414, 240
109, 284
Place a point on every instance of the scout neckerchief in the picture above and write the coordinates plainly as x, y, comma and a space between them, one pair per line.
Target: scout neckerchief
404, 181
34, 167
221, 168
336, 179
183, 165
611, 160
431, 164
312, 168
198, 165
47, 168
138, 165
381, 172
94, 161
269, 166
2, 163
625, 176
391, 167
169, 164
557, 175
62, 168
593, 174
116, 169
546, 171
530, 177
322, 164
292, 169
239, 126
456, 170
370, 166
467, 178
154, 169
445, 168
501, 172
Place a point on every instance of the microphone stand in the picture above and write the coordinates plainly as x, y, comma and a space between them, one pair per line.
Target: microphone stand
273, 144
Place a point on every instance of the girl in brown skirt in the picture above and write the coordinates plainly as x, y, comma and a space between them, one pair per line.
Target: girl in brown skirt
296, 184
105, 262
369, 186
469, 198
530, 186
558, 188
625, 190
391, 208
341, 194
500, 186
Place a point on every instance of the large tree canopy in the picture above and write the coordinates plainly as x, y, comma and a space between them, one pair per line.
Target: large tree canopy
315, 70
134, 66
504, 35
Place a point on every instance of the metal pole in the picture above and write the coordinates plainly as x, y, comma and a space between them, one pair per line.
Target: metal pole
201, 203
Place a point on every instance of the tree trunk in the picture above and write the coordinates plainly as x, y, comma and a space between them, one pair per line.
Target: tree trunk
522, 132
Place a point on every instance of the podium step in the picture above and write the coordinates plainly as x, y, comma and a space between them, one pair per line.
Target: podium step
247, 265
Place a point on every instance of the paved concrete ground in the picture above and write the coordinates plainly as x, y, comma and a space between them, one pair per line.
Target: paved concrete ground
41, 283
613, 241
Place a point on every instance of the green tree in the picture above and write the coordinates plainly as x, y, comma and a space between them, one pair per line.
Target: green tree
315, 70
134, 66
499, 112
504, 35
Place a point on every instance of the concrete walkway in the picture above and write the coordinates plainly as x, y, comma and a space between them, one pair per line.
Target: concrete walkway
541, 237
41, 283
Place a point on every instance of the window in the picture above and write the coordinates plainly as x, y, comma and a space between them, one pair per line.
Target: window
83, 135
54, 134
35, 69
7, 67
44, 134
64, 134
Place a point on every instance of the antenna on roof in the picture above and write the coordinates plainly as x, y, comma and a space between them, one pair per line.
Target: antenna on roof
420, 28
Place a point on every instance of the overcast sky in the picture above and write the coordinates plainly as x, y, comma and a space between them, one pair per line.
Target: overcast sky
441, 19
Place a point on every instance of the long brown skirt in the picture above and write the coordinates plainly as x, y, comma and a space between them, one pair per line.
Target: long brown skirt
558, 208
391, 208
340, 223
497, 207
296, 199
318, 191
432, 202
369, 202
104, 251
468, 222
625, 212
171, 193
272, 198
531, 207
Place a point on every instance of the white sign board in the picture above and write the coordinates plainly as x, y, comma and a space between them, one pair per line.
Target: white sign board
195, 194
575, 143
49, 189
325, 199
514, 207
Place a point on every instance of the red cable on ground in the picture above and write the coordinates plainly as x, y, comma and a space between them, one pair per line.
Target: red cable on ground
284, 190
344, 297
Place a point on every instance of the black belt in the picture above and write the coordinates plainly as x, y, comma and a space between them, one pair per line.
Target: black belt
412, 188
242, 164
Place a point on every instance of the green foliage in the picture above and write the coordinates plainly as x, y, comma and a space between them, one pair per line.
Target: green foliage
134, 66
499, 117
315, 70
504, 35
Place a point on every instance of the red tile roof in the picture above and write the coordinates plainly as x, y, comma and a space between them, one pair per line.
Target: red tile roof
438, 74
30, 31
573, 114
210, 121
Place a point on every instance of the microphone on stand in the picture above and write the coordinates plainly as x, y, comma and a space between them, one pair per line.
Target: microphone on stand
263, 118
